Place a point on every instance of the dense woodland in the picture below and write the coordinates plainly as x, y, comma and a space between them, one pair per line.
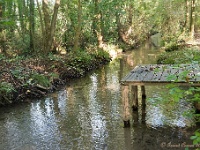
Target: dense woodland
34, 34
36, 27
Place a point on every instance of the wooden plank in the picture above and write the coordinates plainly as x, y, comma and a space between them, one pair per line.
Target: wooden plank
158, 73
149, 74
195, 73
132, 74
137, 74
165, 74
153, 73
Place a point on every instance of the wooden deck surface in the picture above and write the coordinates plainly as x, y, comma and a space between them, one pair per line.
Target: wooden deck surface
154, 73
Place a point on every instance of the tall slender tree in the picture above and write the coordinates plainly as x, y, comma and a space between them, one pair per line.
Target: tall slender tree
97, 24
78, 26
49, 24
32, 25
192, 19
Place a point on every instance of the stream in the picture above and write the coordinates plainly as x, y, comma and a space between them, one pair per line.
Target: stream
86, 114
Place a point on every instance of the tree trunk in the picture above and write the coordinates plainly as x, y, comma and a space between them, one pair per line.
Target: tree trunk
2, 49
53, 23
78, 27
187, 16
130, 15
47, 25
50, 24
124, 31
97, 24
192, 19
117, 15
41, 24
32, 26
21, 18
2, 33
1, 15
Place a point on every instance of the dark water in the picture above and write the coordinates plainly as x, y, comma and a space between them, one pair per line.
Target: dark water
87, 115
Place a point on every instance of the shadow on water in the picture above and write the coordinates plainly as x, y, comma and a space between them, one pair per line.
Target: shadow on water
87, 114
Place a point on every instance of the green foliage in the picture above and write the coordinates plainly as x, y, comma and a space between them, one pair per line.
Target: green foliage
165, 17
18, 73
196, 137
84, 60
53, 57
53, 76
80, 59
6, 92
39, 79
102, 54
172, 47
6, 88
187, 55
191, 94
176, 93
2, 57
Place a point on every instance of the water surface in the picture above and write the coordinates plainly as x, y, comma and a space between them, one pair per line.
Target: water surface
87, 113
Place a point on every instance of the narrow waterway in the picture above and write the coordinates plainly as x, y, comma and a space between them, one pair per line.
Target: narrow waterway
86, 114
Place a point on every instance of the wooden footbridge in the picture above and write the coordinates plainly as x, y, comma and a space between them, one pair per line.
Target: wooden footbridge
154, 74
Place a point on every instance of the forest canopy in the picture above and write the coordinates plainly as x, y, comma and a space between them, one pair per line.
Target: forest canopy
36, 27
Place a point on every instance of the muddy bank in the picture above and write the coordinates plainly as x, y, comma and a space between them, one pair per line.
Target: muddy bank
23, 79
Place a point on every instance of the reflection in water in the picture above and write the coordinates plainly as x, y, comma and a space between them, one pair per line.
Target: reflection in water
44, 123
87, 114
98, 123
62, 100
161, 114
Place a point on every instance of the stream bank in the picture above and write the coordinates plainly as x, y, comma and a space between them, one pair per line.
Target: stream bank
25, 78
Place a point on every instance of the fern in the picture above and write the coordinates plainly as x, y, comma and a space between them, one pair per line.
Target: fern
40, 79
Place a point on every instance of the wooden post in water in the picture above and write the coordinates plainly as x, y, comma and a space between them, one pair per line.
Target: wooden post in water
125, 102
143, 103
143, 96
135, 118
143, 91
134, 90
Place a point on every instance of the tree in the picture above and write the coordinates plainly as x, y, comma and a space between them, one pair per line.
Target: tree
97, 23
1, 27
78, 26
49, 24
32, 25
192, 19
